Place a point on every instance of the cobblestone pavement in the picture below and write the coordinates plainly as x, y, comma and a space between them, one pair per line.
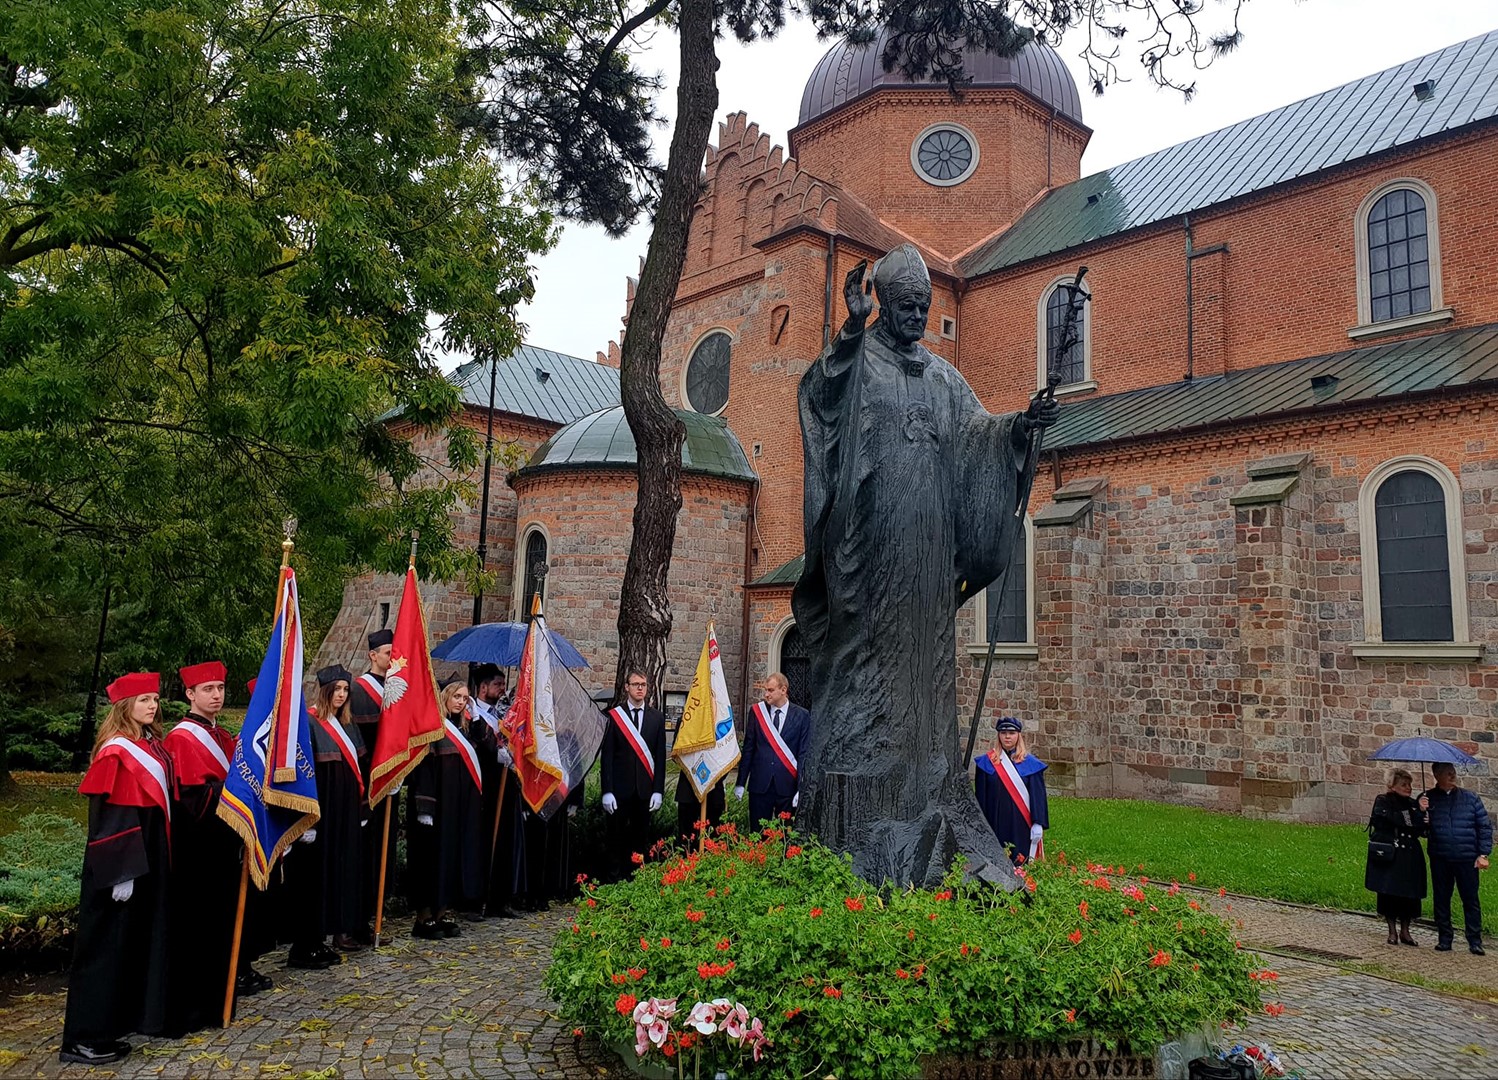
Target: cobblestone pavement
1355, 938
473, 1006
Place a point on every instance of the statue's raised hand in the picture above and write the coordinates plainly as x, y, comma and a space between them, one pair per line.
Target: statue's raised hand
856, 296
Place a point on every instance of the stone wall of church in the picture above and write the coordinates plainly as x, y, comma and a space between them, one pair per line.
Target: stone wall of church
1193, 650
587, 517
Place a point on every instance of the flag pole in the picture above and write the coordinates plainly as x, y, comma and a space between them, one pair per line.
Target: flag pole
702, 817
499, 809
244, 856
379, 919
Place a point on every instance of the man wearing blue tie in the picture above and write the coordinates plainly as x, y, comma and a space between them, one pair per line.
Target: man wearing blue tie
774, 739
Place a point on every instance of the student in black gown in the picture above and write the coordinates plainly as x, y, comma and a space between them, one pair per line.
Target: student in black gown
447, 834
323, 874
365, 704
118, 981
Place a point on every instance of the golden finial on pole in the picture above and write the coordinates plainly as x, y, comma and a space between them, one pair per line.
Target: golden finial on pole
288, 526
415, 536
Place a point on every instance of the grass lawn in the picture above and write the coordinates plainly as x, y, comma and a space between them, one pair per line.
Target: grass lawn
1307, 864
42, 793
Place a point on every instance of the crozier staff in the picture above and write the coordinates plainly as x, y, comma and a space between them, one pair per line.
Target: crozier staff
118, 981
1010, 785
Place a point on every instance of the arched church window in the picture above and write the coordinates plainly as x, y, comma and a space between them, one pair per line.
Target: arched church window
535, 577
707, 373
1075, 365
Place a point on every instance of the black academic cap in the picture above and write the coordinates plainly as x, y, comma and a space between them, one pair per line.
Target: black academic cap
381, 637
334, 673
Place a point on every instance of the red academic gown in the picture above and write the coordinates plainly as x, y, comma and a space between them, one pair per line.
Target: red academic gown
118, 982
205, 877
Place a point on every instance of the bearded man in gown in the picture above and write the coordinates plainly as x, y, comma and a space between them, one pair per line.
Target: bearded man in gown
911, 493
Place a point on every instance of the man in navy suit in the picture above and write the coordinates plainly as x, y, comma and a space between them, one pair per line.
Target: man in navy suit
632, 774
774, 740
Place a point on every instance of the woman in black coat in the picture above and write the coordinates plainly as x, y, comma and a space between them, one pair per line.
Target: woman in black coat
1396, 865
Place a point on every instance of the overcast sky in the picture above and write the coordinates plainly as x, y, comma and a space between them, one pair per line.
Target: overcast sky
1291, 50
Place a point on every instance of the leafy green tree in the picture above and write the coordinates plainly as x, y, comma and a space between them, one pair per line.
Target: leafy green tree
234, 237
568, 105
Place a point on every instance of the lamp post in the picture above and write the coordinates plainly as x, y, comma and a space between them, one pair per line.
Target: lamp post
483, 545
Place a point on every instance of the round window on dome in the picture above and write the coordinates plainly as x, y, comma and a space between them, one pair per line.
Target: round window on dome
707, 374
944, 154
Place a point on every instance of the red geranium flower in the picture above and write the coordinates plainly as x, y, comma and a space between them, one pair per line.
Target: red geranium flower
581, 878
693, 916
832, 992
636, 974
901, 973
964, 948
723, 945
785, 815
1082, 910
1160, 959
1191, 876
665, 943
790, 1014
1075, 937
945, 894
618, 979
1222, 891
625, 1004
1274, 1008
853, 903
637, 859
592, 902
792, 851
1071, 1016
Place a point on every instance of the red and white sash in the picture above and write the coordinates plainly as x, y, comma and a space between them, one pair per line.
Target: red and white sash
467, 752
204, 737
345, 747
146, 770
1015, 785
371, 683
636, 738
777, 743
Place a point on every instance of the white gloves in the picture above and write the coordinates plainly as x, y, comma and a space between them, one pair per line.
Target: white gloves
307, 837
505, 757
610, 804
655, 801
572, 811
795, 800
1035, 833
363, 822
424, 819
738, 793
123, 891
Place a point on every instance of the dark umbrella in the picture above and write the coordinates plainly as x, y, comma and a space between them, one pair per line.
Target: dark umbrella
499, 643
1424, 750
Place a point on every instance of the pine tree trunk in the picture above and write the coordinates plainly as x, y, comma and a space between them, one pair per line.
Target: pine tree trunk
644, 606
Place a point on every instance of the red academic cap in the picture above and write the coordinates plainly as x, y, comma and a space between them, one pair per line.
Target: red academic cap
250, 686
207, 671
128, 686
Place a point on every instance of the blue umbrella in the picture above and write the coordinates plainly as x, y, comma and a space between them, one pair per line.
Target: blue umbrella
499, 643
1422, 749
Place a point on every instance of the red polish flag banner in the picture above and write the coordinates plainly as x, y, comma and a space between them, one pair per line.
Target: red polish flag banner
411, 718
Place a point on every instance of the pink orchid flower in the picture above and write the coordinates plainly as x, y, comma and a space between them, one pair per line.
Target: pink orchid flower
703, 1018
642, 1040
658, 1032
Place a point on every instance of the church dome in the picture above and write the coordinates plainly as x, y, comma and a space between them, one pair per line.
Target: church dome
603, 440
848, 72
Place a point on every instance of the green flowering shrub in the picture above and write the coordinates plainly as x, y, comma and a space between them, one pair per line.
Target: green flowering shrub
862, 982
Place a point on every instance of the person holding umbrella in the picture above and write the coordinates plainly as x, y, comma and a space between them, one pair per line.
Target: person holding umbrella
1396, 865
1461, 839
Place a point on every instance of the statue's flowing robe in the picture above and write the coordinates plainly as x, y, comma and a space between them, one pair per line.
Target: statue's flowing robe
911, 489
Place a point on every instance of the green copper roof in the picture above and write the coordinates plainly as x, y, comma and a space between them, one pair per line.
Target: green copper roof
1373, 114
603, 439
785, 574
1457, 358
540, 383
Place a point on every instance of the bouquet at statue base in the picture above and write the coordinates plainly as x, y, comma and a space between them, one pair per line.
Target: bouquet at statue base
553, 728
707, 746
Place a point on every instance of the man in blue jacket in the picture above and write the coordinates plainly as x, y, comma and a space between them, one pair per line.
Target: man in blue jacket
775, 737
1461, 839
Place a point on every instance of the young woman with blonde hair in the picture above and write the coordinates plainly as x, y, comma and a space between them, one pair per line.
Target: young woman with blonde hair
118, 981
1010, 783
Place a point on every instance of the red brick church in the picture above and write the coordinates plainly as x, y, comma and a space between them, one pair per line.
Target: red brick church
1264, 539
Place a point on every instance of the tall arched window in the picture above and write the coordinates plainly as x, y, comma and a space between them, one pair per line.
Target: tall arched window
1414, 576
1008, 617
1399, 258
535, 549
1075, 365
